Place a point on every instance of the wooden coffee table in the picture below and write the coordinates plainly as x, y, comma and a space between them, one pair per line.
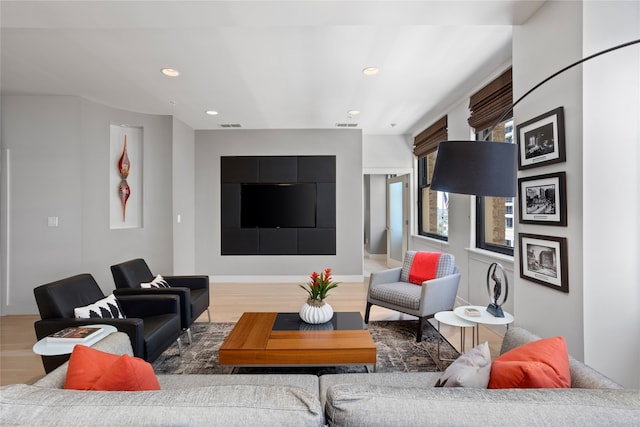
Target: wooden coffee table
282, 339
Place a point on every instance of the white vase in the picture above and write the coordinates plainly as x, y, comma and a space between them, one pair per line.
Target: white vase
316, 312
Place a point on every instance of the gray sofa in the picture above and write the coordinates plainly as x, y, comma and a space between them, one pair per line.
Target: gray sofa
376, 399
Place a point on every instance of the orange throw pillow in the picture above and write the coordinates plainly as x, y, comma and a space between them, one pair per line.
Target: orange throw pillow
91, 369
86, 366
538, 364
128, 374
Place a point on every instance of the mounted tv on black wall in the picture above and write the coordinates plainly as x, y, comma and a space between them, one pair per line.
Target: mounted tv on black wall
286, 205
278, 205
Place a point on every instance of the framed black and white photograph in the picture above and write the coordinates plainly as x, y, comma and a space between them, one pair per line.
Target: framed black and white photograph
543, 199
541, 140
543, 259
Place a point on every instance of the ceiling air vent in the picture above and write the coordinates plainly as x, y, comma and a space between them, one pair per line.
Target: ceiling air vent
346, 125
230, 125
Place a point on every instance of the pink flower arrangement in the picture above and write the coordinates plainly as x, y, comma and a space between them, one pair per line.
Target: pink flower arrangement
319, 285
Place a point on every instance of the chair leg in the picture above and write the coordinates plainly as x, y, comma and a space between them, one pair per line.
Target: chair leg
189, 337
366, 312
419, 332
179, 341
209, 314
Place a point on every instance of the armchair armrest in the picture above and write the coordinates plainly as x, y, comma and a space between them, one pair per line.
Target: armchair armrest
149, 305
192, 282
439, 294
385, 276
182, 292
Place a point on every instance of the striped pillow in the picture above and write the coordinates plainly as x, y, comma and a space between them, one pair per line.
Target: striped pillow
157, 282
106, 308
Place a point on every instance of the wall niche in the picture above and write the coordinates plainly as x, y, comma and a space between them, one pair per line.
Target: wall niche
278, 205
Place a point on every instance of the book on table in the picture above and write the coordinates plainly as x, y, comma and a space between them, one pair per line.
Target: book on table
472, 312
74, 334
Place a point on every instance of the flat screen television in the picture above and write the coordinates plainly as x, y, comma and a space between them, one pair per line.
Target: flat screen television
286, 205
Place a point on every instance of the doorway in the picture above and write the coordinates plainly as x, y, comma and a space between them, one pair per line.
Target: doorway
397, 219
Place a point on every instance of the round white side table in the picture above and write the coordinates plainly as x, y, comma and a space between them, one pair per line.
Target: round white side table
485, 318
45, 348
451, 319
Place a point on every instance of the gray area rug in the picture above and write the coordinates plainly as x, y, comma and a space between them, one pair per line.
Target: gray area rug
397, 351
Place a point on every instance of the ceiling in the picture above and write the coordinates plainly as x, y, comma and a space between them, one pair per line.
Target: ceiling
261, 64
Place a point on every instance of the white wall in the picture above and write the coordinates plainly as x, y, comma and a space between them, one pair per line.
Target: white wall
611, 204
184, 239
41, 140
56, 150
546, 311
346, 145
387, 154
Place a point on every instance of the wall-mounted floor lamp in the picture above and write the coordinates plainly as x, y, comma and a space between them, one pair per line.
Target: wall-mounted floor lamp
487, 168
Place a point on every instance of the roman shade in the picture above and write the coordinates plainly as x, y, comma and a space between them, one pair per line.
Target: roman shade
490, 102
427, 141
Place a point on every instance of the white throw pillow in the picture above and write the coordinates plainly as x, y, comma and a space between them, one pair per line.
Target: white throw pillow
472, 369
157, 282
105, 308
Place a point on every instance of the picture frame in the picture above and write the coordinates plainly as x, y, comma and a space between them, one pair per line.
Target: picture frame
543, 260
541, 140
543, 199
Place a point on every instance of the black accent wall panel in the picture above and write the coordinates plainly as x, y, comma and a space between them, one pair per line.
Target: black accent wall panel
237, 170
317, 241
230, 209
240, 241
278, 241
276, 169
317, 168
326, 208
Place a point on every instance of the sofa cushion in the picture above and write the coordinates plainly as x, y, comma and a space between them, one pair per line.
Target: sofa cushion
91, 369
403, 294
105, 308
472, 369
370, 405
228, 406
538, 364
157, 282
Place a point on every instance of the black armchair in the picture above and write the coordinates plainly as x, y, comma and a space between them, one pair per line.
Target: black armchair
192, 290
152, 322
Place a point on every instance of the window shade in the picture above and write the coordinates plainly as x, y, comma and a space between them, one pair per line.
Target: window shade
490, 102
427, 140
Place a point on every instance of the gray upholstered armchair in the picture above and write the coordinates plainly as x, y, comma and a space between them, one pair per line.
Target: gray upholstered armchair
392, 288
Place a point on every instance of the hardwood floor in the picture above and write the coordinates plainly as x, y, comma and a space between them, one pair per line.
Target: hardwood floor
18, 363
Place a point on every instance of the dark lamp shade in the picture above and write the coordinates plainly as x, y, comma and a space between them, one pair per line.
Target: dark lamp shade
480, 168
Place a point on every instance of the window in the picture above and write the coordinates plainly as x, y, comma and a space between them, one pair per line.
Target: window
433, 206
494, 215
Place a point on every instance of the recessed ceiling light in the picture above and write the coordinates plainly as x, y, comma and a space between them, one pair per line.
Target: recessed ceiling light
212, 112
170, 72
370, 71
353, 112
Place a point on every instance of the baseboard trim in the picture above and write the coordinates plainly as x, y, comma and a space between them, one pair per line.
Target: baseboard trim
278, 279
